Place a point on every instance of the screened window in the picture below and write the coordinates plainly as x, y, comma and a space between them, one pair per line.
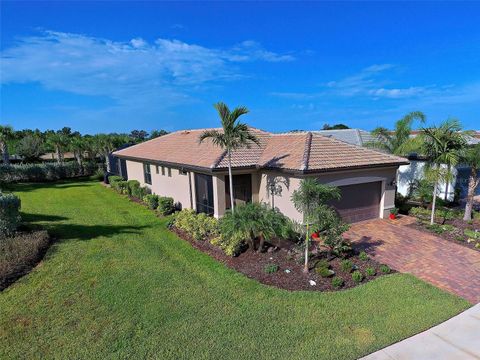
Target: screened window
147, 174
156, 169
163, 170
169, 172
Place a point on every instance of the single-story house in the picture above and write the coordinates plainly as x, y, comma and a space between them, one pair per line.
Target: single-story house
196, 175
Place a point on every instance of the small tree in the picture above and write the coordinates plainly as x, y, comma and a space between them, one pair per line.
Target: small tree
443, 146
472, 159
30, 148
307, 199
6, 134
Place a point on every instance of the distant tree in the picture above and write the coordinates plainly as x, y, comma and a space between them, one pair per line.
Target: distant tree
6, 134
30, 147
78, 146
234, 135
59, 141
335, 127
398, 142
157, 133
107, 143
138, 135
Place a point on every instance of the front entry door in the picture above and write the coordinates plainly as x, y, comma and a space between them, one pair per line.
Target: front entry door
242, 190
204, 193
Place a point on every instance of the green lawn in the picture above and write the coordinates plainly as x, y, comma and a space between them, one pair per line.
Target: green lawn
117, 284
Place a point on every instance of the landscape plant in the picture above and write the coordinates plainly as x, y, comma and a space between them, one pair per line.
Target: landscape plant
234, 135
166, 205
151, 200
9, 214
6, 134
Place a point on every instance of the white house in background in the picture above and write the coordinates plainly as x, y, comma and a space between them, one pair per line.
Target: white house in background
407, 174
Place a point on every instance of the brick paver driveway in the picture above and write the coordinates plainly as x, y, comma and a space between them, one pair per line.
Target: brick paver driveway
442, 263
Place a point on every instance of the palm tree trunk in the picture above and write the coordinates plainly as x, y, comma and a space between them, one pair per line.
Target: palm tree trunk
107, 162
230, 180
59, 154
432, 217
449, 169
5, 155
307, 236
472, 185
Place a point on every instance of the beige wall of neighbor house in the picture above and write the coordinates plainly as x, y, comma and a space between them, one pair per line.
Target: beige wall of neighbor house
174, 183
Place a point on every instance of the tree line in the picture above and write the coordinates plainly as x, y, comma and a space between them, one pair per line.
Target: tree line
29, 145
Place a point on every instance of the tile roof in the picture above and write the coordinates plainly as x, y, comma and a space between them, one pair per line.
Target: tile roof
300, 151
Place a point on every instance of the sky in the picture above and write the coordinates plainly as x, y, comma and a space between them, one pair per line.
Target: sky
116, 66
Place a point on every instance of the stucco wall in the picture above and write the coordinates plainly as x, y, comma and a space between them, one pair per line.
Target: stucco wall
407, 174
286, 185
175, 186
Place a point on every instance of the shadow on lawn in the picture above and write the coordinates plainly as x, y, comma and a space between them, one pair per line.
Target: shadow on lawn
59, 184
65, 231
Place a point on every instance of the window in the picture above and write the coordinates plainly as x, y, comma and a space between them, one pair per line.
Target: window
169, 172
147, 175
156, 169
163, 170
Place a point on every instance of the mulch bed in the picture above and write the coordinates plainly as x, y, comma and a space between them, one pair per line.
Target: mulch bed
252, 264
452, 236
20, 254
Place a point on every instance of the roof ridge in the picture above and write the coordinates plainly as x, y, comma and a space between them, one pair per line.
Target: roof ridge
306, 151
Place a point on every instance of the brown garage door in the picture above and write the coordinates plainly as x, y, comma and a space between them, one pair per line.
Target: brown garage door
359, 202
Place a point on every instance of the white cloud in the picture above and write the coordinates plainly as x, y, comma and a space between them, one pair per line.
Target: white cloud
134, 72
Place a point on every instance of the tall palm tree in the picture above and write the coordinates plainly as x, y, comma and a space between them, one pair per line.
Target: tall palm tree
472, 159
234, 135
442, 145
6, 134
106, 143
399, 142
78, 146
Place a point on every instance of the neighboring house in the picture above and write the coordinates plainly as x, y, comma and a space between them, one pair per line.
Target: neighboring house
408, 174
196, 175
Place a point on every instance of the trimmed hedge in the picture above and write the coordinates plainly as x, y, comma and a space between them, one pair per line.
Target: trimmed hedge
45, 171
151, 201
166, 205
9, 214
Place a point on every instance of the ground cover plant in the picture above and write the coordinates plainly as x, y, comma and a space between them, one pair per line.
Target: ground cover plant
118, 280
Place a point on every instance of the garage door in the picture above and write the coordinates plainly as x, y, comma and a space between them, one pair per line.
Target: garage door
359, 202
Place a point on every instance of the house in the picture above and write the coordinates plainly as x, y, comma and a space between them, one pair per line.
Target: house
196, 175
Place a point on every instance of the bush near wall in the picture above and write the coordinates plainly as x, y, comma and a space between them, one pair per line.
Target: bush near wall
45, 171
166, 205
9, 214
199, 226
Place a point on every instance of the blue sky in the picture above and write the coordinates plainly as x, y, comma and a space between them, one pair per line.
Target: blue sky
116, 66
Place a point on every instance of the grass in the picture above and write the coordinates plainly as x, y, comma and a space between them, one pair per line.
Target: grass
117, 285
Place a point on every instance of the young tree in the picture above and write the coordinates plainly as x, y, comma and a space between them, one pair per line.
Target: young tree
472, 159
443, 146
30, 148
6, 134
308, 199
399, 142
233, 136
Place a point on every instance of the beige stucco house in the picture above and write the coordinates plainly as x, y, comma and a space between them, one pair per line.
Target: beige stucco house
196, 175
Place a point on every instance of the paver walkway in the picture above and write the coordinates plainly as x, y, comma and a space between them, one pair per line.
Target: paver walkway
447, 265
457, 338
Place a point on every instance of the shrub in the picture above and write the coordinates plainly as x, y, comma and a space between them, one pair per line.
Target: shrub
99, 174
132, 186
419, 212
436, 228
337, 282
324, 271
121, 187
165, 205
322, 264
199, 226
363, 256
251, 221
346, 265
151, 201
45, 171
112, 179
384, 269
472, 234
19, 253
9, 214
270, 268
370, 271
331, 227
394, 211
141, 192
357, 276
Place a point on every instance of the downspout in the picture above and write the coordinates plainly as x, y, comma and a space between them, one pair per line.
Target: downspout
190, 189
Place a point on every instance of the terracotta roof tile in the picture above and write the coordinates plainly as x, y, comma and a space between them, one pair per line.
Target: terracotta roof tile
303, 151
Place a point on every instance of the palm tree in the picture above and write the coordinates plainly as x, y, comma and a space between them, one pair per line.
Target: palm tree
106, 143
442, 145
307, 199
472, 159
6, 134
78, 146
399, 142
59, 141
234, 135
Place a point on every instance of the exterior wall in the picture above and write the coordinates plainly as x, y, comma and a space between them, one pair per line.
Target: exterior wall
285, 185
177, 186
407, 174
219, 195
